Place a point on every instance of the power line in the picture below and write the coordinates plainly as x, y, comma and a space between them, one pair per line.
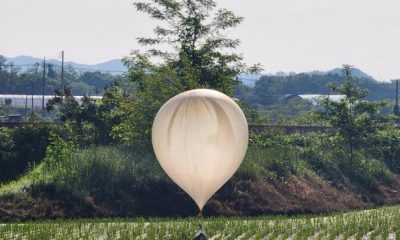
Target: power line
62, 69
44, 80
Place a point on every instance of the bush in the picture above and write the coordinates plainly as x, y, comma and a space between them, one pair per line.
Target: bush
273, 157
320, 154
325, 155
386, 148
367, 171
269, 163
20, 148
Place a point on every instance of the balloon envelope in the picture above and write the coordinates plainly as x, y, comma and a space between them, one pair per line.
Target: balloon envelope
200, 138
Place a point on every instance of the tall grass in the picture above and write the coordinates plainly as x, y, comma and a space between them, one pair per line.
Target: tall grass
270, 164
100, 171
94, 171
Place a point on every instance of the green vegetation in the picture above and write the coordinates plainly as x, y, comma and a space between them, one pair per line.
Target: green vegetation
86, 157
100, 156
20, 148
381, 223
268, 88
100, 172
106, 172
359, 125
200, 56
292, 112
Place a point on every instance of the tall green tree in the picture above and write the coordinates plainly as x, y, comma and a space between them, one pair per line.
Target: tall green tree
355, 119
199, 54
189, 50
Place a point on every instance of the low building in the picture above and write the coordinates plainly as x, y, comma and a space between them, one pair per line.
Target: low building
313, 98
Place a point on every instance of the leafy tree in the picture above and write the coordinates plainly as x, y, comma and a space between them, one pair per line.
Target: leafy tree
5, 108
141, 106
65, 103
355, 119
291, 111
51, 72
196, 36
21, 147
199, 55
91, 119
97, 79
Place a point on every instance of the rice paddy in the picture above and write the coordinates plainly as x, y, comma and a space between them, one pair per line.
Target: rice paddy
383, 223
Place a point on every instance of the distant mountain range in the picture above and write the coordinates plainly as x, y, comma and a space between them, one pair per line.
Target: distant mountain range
116, 66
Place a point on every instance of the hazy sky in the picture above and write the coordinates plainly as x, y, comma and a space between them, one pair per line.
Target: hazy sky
283, 35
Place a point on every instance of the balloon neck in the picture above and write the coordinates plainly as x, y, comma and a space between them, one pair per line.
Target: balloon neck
200, 215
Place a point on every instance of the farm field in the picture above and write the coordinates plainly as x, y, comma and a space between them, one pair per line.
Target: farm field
382, 223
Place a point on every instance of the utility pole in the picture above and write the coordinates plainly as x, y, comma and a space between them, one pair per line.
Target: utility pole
397, 92
396, 109
43, 81
62, 70
11, 73
32, 96
32, 111
26, 107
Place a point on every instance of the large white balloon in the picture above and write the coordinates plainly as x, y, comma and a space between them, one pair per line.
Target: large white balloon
200, 138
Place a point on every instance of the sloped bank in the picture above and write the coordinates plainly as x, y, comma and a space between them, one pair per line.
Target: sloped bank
295, 195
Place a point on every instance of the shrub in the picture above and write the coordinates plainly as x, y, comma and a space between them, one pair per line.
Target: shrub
325, 155
386, 148
367, 171
269, 163
20, 148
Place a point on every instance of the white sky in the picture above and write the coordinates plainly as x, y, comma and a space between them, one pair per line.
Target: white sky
283, 35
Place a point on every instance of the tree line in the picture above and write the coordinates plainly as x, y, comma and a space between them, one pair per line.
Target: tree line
268, 89
29, 80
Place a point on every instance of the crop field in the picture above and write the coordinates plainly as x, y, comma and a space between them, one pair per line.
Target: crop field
383, 223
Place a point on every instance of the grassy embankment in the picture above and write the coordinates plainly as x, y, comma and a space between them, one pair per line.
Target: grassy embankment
280, 175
